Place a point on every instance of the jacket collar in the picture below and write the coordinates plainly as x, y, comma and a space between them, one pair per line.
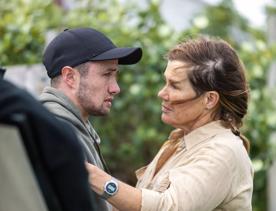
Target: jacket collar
50, 92
199, 134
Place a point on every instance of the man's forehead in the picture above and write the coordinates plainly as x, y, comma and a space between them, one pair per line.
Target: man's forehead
111, 65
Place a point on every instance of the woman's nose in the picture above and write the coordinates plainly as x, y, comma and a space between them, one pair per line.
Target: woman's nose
163, 94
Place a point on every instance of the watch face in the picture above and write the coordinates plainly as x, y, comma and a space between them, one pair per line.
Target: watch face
111, 188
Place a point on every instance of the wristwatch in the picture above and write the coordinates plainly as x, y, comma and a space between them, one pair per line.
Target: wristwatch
111, 187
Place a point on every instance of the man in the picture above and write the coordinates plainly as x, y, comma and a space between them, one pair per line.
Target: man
83, 64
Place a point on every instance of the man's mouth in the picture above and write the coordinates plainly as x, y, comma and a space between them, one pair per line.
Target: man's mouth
109, 101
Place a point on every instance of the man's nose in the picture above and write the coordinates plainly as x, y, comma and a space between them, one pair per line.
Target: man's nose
114, 88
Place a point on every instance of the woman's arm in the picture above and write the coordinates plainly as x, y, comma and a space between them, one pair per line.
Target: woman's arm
127, 198
202, 185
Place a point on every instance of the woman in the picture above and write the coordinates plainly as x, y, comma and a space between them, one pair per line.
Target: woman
204, 165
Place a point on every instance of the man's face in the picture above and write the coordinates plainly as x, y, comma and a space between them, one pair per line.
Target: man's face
98, 87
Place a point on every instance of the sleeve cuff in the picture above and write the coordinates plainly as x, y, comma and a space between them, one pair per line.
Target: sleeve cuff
150, 200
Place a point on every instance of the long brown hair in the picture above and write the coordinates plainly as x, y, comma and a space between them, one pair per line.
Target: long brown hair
215, 66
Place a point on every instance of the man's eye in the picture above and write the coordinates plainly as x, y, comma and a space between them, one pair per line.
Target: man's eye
107, 74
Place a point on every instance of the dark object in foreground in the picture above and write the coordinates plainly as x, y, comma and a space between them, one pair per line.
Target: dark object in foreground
55, 154
2, 72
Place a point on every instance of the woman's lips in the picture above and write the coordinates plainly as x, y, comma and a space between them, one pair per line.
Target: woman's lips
165, 108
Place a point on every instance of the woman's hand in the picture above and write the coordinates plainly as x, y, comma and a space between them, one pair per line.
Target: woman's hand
127, 198
97, 178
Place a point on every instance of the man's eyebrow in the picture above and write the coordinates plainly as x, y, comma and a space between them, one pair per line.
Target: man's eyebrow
112, 70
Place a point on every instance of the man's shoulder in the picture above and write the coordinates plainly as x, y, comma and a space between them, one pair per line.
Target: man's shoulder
63, 114
59, 104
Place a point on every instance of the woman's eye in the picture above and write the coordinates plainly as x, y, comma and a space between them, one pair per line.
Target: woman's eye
174, 86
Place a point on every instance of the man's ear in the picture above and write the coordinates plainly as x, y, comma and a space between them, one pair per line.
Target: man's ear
211, 99
70, 76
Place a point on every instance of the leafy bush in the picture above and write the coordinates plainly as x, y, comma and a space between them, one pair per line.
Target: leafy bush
133, 132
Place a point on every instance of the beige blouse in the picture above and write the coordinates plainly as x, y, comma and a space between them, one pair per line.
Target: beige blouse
210, 170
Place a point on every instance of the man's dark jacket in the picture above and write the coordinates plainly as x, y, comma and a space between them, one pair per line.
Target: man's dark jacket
61, 155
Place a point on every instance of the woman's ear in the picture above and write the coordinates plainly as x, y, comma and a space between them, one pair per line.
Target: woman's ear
211, 99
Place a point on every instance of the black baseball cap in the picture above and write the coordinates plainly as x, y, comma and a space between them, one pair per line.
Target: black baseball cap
76, 46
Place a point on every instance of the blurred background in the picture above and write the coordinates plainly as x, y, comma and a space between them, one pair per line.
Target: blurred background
133, 132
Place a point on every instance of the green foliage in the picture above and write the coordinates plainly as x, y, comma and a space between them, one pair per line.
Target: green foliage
133, 132
22, 30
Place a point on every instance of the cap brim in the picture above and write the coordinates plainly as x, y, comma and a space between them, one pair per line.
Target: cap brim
124, 55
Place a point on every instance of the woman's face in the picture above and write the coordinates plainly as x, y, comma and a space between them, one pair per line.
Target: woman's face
181, 107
